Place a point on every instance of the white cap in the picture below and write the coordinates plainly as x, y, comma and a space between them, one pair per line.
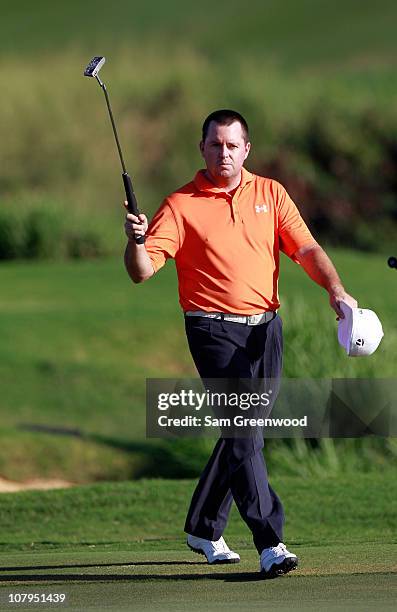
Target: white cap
360, 332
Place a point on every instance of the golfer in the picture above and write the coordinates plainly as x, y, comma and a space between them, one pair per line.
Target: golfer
225, 229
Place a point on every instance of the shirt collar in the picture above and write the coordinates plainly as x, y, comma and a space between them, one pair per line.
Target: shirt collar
203, 184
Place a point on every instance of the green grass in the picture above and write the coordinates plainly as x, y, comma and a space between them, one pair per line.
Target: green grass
114, 545
338, 577
75, 342
265, 28
78, 341
160, 106
346, 510
275, 62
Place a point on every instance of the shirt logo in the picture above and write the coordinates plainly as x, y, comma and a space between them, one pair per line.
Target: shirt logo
261, 208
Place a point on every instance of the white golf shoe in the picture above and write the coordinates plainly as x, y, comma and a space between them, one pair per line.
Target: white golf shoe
277, 560
216, 552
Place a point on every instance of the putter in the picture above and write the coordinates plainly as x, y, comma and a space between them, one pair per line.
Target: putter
92, 71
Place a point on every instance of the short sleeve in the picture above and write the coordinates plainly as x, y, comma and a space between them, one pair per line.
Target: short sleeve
293, 231
162, 236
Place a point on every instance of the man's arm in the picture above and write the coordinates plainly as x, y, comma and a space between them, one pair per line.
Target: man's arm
136, 259
320, 268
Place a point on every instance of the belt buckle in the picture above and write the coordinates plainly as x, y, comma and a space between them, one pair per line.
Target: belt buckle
233, 318
253, 319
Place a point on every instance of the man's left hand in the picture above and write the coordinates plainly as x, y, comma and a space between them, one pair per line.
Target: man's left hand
338, 294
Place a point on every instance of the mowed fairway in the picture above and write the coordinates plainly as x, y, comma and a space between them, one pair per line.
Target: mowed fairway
332, 577
121, 545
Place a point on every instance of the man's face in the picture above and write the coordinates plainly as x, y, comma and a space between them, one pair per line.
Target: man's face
224, 151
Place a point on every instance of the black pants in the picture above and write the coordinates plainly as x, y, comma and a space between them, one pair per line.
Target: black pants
236, 469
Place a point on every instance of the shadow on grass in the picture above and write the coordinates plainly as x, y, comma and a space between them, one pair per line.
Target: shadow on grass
224, 577
129, 563
239, 577
162, 459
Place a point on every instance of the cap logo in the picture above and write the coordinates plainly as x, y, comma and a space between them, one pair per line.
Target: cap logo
360, 331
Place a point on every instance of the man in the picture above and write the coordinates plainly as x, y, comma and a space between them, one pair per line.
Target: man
225, 230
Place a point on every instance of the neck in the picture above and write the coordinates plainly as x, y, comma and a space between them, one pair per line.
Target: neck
228, 184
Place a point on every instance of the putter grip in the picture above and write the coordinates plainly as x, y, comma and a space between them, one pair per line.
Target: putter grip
132, 203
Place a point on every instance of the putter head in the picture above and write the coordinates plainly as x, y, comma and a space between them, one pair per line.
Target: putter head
94, 66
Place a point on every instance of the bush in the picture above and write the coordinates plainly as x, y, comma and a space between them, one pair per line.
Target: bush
10, 235
340, 167
43, 233
332, 144
46, 233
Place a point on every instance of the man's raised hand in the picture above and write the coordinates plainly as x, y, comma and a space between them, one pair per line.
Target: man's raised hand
135, 225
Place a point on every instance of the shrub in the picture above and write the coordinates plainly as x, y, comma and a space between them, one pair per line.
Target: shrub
47, 233
43, 233
10, 235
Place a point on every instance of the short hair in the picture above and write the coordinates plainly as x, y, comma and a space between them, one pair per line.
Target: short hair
225, 117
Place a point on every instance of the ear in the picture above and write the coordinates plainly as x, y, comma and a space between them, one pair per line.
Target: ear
247, 149
201, 146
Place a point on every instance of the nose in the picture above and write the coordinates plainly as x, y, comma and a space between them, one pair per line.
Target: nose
224, 151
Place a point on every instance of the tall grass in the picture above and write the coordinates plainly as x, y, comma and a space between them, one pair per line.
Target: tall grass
47, 232
323, 134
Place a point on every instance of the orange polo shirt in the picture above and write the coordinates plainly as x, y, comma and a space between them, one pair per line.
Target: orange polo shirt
226, 246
